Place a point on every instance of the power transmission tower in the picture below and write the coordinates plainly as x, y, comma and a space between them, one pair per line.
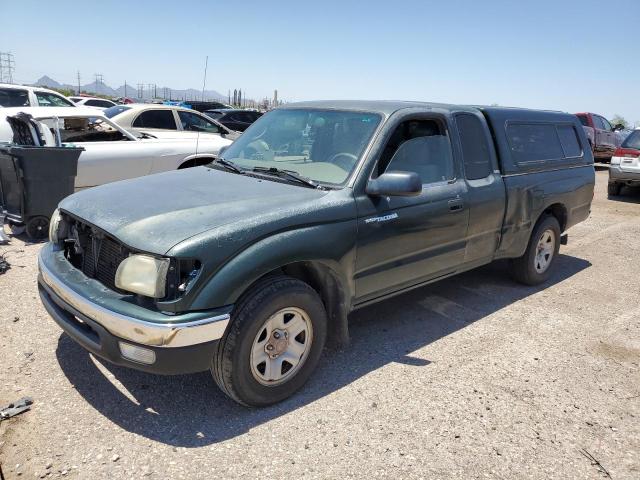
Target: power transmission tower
99, 80
7, 66
140, 90
125, 89
152, 89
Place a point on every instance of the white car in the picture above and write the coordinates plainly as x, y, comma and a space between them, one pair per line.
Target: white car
167, 121
112, 153
95, 102
25, 96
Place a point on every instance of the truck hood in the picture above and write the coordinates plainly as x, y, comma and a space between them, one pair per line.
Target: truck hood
156, 212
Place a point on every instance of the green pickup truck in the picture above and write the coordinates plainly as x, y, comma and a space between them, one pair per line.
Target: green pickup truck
249, 265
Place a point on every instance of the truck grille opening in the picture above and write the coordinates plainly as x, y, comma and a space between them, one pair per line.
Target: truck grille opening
94, 253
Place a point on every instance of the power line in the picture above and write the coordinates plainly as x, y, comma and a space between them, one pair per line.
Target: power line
7, 66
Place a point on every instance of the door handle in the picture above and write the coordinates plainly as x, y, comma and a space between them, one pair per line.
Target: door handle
456, 205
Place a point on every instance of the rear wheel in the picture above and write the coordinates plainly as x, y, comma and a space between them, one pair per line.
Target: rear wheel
273, 342
613, 189
535, 266
37, 228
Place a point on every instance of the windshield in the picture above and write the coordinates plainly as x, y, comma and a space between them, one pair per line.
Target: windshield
115, 110
633, 140
323, 145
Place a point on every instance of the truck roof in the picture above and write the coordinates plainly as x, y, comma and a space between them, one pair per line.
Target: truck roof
387, 107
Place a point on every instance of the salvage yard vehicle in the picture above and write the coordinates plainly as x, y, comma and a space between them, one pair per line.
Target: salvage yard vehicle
625, 165
24, 96
234, 119
603, 138
167, 121
95, 102
246, 267
110, 152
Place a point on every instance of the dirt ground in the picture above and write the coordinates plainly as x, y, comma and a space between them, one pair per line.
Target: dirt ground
473, 377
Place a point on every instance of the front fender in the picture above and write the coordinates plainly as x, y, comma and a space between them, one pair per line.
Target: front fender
332, 245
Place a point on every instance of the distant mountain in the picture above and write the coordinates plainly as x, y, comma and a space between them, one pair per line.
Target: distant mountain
132, 91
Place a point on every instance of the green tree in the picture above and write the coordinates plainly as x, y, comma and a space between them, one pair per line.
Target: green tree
619, 120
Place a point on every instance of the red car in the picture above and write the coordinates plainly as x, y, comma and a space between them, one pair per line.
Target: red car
602, 136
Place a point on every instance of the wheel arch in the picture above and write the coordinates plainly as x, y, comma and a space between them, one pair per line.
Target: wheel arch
559, 211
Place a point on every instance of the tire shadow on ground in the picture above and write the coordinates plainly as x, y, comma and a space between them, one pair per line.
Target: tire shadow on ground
190, 411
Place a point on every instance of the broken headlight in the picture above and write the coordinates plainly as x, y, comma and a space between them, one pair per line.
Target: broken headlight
143, 274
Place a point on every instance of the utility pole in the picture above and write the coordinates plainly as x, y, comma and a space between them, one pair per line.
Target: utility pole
78, 75
7, 66
125, 89
99, 80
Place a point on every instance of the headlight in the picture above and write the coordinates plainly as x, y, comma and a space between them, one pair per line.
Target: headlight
54, 226
143, 274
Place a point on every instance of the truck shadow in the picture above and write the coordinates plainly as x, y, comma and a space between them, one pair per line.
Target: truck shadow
627, 195
190, 411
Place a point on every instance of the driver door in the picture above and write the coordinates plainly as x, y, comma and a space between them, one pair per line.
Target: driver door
405, 241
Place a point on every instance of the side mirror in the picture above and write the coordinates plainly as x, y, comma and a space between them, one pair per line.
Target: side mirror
395, 184
617, 127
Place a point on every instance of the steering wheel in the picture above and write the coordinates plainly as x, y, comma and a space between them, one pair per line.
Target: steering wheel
344, 160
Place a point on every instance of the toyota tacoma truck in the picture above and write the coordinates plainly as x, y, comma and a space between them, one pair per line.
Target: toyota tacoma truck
247, 266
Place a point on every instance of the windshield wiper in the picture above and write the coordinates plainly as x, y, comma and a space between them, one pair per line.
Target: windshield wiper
229, 165
288, 174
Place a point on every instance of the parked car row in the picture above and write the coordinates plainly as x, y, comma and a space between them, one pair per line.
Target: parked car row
112, 152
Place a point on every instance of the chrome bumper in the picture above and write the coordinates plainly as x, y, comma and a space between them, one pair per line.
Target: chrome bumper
170, 334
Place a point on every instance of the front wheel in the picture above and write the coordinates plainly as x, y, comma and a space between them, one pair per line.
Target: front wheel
535, 266
273, 343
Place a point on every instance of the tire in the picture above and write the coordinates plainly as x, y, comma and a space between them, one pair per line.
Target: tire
38, 228
613, 189
235, 366
535, 267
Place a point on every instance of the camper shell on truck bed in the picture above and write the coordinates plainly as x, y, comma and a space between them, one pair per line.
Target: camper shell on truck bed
318, 209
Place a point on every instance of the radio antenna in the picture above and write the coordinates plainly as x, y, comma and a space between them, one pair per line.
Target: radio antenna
204, 84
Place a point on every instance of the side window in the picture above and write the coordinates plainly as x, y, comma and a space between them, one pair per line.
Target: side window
46, 99
569, 141
162, 119
534, 142
475, 149
419, 146
607, 125
196, 123
12, 97
598, 123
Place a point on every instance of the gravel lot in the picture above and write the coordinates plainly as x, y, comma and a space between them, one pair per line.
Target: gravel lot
473, 377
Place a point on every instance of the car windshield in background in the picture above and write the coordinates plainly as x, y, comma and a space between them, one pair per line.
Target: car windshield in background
115, 110
46, 99
12, 97
322, 145
632, 141
83, 129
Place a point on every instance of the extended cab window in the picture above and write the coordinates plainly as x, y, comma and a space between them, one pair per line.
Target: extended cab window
11, 97
569, 141
534, 142
162, 119
46, 99
475, 149
420, 146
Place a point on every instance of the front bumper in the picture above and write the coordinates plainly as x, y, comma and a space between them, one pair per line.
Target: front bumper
617, 175
99, 319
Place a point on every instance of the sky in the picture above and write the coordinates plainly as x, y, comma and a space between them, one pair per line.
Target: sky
564, 55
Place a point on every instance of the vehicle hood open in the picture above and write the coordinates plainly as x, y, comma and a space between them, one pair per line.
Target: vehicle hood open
156, 212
